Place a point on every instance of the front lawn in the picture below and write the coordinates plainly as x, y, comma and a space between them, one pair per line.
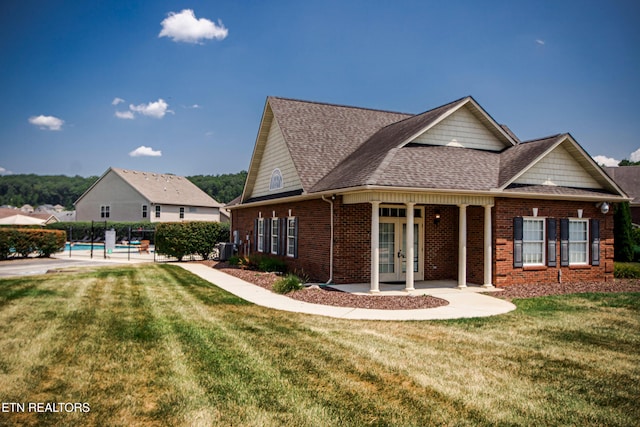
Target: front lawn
155, 345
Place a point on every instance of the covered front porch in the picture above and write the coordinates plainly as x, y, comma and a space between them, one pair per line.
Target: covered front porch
405, 238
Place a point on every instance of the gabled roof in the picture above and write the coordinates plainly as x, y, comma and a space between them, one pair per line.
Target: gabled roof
163, 189
628, 177
337, 148
318, 136
369, 164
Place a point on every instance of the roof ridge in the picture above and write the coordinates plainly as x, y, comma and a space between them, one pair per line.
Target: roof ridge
331, 104
546, 137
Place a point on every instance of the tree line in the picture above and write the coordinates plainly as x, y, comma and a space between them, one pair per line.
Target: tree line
36, 190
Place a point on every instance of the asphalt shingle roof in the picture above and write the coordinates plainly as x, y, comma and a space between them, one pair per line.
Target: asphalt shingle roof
166, 189
335, 147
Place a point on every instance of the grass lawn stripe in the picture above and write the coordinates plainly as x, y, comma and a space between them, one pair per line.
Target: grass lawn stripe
156, 345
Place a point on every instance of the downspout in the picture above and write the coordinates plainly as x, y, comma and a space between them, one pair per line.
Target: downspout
331, 243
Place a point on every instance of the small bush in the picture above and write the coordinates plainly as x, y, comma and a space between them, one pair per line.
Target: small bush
627, 270
23, 242
235, 260
287, 284
266, 263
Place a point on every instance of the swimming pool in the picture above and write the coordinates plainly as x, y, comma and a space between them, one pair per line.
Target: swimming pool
96, 246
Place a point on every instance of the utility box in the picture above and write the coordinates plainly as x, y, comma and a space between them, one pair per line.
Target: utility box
225, 251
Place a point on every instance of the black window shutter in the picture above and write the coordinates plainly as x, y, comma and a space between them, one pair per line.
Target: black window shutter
267, 235
564, 242
551, 242
517, 241
595, 241
295, 244
282, 231
255, 232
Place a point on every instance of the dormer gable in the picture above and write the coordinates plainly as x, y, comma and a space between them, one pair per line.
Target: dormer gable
466, 125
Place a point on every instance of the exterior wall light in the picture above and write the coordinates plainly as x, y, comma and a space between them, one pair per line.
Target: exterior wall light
436, 218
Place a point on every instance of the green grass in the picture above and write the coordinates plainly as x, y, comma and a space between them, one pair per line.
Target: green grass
155, 345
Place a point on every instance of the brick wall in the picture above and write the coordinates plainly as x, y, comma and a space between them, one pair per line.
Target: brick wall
313, 234
352, 251
504, 272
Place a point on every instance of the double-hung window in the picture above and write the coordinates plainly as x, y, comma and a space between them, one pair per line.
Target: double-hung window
291, 236
158, 211
274, 236
104, 211
145, 210
578, 241
260, 235
533, 242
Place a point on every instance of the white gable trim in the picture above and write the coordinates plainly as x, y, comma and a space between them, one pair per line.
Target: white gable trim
599, 175
447, 114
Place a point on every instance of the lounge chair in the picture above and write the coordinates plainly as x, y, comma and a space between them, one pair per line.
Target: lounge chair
144, 246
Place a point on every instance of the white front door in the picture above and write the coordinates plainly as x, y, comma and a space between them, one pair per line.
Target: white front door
392, 244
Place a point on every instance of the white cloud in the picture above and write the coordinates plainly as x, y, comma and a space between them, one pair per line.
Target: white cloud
607, 161
153, 109
635, 156
3, 171
47, 122
125, 115
184, 27
117, 101
540, 42
143, 151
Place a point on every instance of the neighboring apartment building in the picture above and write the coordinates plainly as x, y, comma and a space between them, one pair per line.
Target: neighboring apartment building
127, 195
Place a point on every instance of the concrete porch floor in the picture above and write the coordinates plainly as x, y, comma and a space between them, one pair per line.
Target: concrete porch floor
422, 287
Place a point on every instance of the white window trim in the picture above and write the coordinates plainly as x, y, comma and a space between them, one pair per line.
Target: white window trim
543, 242
291, 238
105, 211
158, 211
585, 242
260, 242
274, 235
277, 180
181, 212
145, 211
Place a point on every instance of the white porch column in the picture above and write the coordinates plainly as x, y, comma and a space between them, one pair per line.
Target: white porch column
487, 247
409, 248
375, 247
462, 247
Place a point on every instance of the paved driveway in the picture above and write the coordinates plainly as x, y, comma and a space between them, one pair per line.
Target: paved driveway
32, 266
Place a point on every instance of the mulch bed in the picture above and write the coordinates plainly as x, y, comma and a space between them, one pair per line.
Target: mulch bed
329, 296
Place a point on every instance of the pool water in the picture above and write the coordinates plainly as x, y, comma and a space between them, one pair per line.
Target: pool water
96, 246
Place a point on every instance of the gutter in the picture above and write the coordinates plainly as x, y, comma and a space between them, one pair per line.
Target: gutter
331, 242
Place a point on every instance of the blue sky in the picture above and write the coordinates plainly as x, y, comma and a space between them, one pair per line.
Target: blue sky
149, 85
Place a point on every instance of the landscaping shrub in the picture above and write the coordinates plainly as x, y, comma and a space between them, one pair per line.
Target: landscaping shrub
178, 239
266, 263
23, 242
627, 270
287, 284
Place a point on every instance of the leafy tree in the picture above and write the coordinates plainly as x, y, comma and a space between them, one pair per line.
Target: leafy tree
625, 162
17, 190
622, 232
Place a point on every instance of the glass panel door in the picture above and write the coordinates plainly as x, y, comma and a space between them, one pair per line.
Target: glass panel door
387, 236
416, 245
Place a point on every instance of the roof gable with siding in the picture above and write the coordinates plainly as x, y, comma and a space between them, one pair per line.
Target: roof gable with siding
275, 156
462, 129
164, 189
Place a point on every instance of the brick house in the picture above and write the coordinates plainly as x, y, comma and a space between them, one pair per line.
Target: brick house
354, 195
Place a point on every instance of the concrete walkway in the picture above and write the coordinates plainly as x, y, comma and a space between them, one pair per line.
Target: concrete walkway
463, 303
